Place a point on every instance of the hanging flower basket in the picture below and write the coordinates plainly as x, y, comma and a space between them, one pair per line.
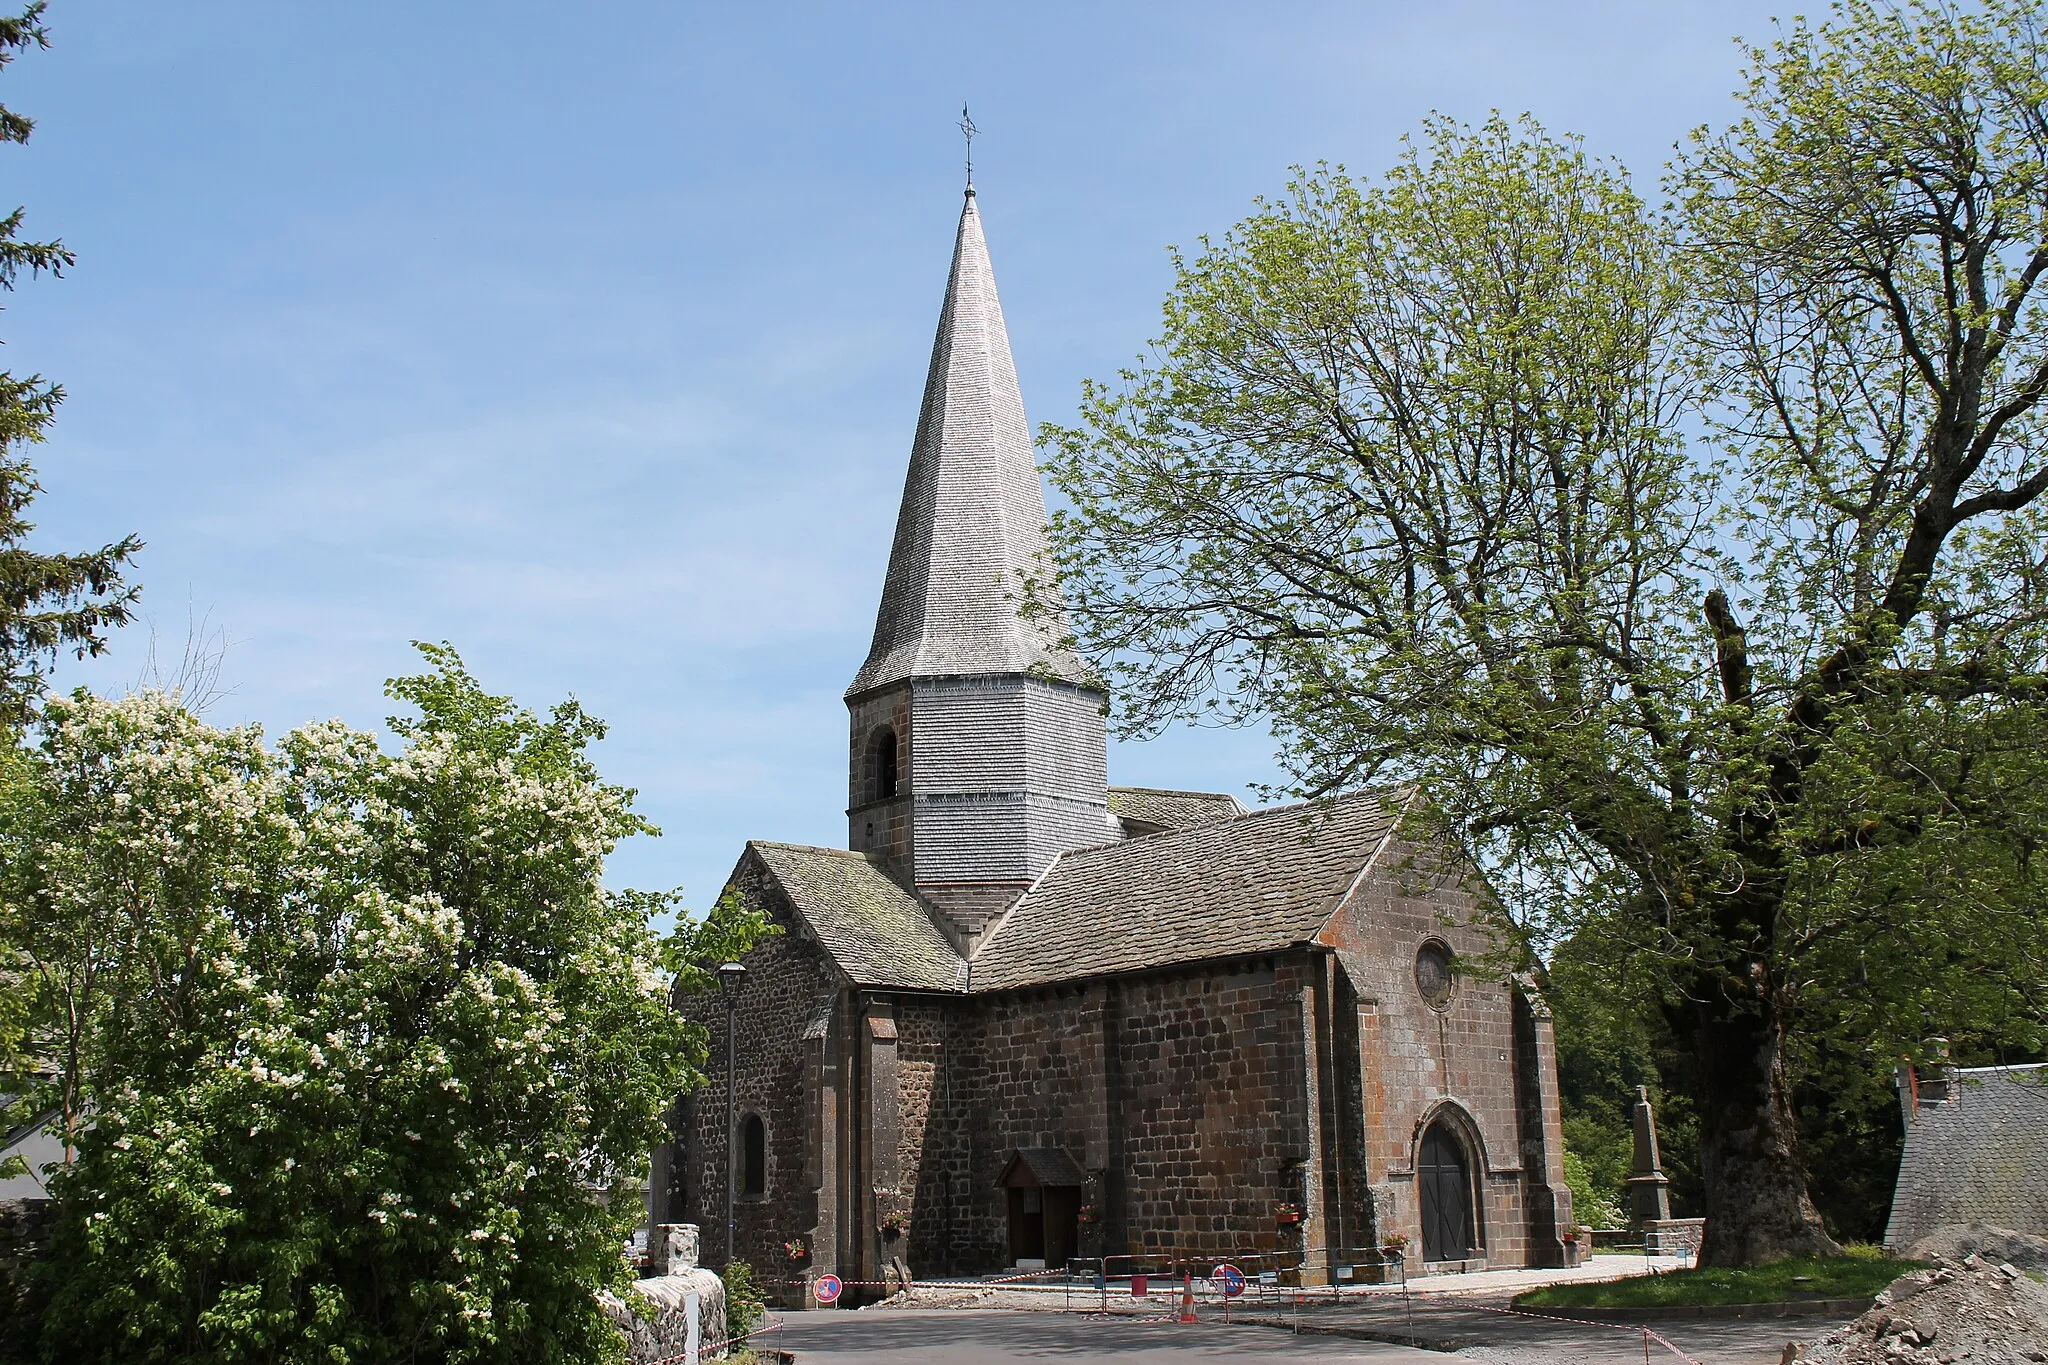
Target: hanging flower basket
1395, 1243
797, 1250
1289, 1215
1089, 1214
895, 1223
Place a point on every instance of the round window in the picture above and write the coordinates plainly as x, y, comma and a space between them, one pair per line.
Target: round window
1433, 973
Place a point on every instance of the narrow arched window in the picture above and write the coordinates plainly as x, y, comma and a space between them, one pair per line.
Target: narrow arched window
753, 1156
885, 764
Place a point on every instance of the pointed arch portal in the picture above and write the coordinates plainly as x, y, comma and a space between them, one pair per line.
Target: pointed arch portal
1443, 1175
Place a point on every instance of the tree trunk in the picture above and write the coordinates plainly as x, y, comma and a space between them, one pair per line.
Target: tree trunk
1757, 1205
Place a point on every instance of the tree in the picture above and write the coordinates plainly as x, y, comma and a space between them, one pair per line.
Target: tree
48, 602
367, 1058
1406, 477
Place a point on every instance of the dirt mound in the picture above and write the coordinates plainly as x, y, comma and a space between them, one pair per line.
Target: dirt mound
1969, 1310
1958, 1240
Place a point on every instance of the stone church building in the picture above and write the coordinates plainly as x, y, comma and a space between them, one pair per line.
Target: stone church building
1034, 1016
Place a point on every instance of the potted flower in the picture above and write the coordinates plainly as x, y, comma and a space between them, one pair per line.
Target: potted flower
1289, 1215
895, 1223
1089, 1214
797, 1250
1395, 1244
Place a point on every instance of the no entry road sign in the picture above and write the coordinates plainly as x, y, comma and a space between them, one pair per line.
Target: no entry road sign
828, 1288
1232, 1280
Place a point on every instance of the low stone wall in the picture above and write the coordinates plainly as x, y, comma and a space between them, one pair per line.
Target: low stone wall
688, 1324
689, 1316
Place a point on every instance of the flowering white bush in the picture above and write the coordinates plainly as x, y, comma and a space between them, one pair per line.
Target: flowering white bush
357, 1044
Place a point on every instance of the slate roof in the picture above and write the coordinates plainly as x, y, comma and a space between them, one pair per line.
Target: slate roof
1048, 1166
1258, 883
1150, 806
972, 524
37, 1144
878, 933
1980, 1155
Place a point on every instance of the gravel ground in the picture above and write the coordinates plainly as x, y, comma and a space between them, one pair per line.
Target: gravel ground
1970, 1310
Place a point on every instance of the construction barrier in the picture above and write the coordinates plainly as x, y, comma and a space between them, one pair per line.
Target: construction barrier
1185, 1287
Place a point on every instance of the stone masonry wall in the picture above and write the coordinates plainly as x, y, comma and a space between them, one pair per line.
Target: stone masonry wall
788, 979
875, 823
1418, 1062
1214, 1108
1180, 1094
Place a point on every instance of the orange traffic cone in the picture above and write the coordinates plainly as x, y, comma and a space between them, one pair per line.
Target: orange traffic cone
1187, 1298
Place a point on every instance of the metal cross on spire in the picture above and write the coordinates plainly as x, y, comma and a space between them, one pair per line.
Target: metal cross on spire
968, 130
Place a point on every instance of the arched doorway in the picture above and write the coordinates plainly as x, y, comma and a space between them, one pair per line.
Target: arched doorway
1443, 1176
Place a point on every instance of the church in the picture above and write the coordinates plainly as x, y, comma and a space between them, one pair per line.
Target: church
1026, 1016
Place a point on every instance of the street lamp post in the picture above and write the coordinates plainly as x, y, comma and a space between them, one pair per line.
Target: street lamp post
730, 975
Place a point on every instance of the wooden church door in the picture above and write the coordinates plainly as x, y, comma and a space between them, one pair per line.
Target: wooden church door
1027, 1224
1445, 1183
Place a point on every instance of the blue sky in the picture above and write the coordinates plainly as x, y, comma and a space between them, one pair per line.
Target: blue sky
590, 337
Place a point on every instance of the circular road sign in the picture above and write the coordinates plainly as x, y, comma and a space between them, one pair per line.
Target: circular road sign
1232, 1280
828, 1288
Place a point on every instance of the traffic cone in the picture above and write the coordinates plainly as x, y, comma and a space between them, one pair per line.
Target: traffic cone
1187, 1298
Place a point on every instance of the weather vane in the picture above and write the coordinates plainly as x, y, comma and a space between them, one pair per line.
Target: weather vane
967, 130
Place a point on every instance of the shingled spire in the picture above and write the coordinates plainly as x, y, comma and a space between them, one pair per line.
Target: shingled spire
971, 531
978, 749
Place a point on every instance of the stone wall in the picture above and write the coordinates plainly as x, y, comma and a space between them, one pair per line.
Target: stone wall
876, 823
789, 982
1419, 1061
1181, 1095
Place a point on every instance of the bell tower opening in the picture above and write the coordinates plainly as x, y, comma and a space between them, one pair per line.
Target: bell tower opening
882, 765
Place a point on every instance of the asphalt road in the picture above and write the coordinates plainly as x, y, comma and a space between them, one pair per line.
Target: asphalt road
997, 1337
930, 1337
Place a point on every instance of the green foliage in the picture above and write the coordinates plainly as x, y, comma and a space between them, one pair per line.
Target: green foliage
1612, 1039
1753, 719
744, 1307
48, 602
1595, 1205
362, 1060
1856, 1274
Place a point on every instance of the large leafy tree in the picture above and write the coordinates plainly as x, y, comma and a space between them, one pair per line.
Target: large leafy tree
363, 1062
1406, 476
49, 602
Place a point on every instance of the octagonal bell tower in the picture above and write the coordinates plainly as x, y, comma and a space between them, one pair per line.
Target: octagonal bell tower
978, 747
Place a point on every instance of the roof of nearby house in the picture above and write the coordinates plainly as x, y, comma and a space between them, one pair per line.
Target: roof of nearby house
1978, 1155
38, 1145
879, 933
1257, 883
1151, 809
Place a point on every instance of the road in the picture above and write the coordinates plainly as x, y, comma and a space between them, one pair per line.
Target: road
955, 1337
1001, 1337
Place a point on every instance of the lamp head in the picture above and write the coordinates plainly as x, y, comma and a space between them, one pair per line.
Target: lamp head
730, 975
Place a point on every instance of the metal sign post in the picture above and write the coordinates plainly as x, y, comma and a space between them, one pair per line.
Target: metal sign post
1232, 1280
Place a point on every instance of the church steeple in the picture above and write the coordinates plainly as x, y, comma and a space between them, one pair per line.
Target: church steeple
971, 531
978, 747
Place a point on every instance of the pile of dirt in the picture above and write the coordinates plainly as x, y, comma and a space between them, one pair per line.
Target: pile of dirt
1973, 1309
1994, 1244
